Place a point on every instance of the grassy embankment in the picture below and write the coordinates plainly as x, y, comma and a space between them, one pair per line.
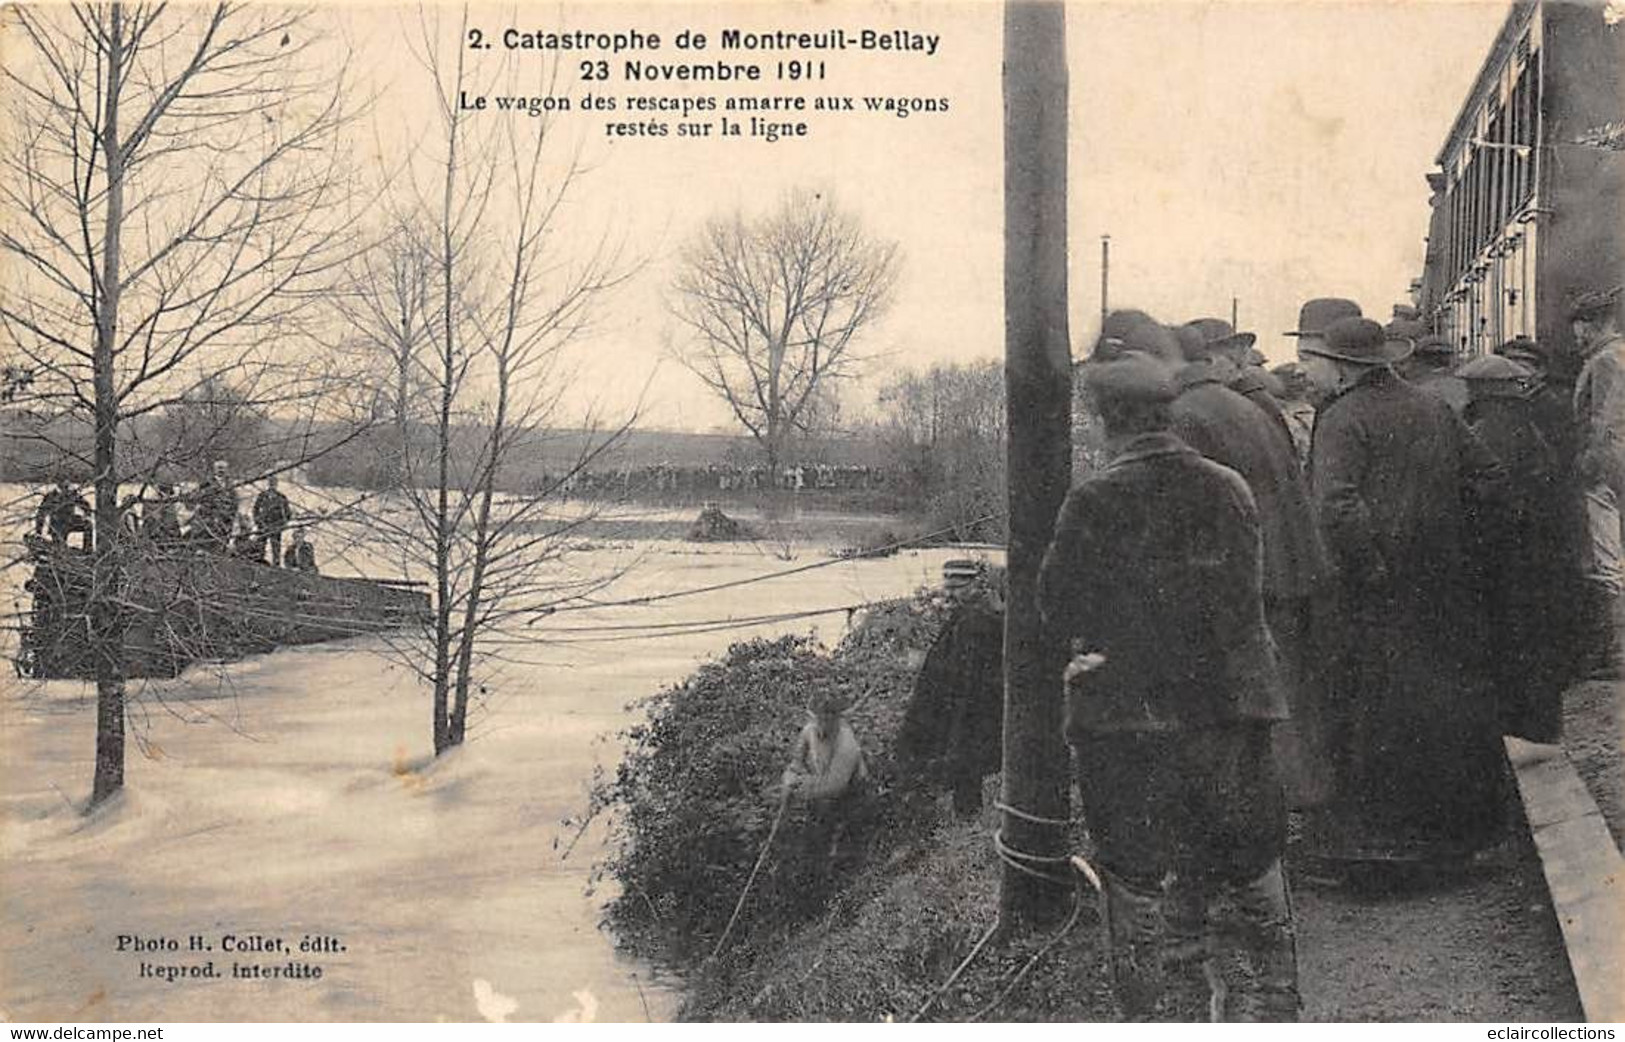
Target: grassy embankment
692, 811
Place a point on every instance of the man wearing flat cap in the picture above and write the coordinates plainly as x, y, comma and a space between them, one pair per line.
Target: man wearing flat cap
1296, 407
953, 730
1528, 575
1229, 429
1414, 746
1154, 581
1599, 411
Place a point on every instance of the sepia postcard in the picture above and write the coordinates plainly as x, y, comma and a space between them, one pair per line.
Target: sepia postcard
861, 511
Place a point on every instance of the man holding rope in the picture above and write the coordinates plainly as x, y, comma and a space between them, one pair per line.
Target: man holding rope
1154, 578
827, 771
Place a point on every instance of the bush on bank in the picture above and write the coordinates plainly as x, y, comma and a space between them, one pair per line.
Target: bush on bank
693, 801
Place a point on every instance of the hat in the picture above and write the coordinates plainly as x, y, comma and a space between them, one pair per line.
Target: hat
961, 571
1129, 378
1128, 331
1524, 350
1493, 367
1358, 340
1589, 307
831, 700
1315, 317
1217, 334
1191, 344
1406, 329
1495, 376
1435, 346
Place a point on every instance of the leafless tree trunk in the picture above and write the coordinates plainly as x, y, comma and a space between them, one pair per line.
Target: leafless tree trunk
769, 311
505, 303
168, 189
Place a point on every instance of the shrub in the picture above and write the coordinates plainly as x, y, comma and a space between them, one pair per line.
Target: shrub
691, 800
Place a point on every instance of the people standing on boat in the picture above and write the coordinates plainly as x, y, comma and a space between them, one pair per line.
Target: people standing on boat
272, 512
63, 511
301, 553
159, 520
214, 510
246, 543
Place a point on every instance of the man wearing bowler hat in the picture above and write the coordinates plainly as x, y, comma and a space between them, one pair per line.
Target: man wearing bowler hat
1413, 743
1229, 429
1232, 355
1154, 581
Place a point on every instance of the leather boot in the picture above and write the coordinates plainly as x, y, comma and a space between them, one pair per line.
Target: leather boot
1259, 957
1135, 933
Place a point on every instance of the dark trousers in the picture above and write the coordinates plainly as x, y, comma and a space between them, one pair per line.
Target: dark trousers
1189, 828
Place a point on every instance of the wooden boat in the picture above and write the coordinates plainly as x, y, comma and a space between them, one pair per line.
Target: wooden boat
180, 605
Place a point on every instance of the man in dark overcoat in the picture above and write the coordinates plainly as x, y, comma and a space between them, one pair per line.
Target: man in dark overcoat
1154, 581
1227, 428
953, 730
214, 510
1413, 738
272, 512
1529, 580
1432, 367
1596, 321
1233, 356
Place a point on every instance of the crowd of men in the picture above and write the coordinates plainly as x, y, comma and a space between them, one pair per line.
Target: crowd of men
1334, 597
214, 523
1330, 587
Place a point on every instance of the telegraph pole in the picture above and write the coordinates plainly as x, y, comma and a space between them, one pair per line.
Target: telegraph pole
1105, 273
1235, 305
1038, 388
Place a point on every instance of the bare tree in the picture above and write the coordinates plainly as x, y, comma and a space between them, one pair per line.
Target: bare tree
944, 433
498, 300
170, 193
771, 310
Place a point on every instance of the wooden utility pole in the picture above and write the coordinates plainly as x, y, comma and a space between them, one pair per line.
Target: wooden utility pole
1038, 386
1235, 310
1105, 273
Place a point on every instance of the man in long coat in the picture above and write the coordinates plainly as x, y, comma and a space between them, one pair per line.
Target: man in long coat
1414, 743
953, 730
1229, 429
1233, 357
1154, 579
1529, 581
1599, 411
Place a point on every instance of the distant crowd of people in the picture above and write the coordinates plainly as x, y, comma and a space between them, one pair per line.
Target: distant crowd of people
1329, 587
666, 478
213, 523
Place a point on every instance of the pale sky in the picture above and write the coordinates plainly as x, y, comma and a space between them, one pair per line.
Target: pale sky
1274, 151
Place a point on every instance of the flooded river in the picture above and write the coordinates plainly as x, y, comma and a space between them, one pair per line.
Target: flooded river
289, 802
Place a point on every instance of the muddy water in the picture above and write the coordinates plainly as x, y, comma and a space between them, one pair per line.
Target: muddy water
290, 798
